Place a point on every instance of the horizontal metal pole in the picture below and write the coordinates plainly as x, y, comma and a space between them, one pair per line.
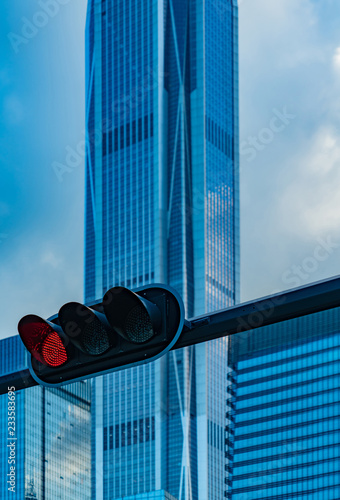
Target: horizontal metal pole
19, 380
258, 313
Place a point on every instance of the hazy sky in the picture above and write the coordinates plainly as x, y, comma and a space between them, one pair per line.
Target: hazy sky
290, 178
290, 150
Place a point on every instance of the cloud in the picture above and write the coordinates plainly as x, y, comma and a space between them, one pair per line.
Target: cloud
37, 278
336, 59
311, 202
289, 56
49, 258
42, 110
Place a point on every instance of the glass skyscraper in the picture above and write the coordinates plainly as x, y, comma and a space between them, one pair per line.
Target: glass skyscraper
154, 495
52, 435
162, 205
284, 410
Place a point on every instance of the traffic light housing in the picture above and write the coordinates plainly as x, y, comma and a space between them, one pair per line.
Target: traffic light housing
127, 328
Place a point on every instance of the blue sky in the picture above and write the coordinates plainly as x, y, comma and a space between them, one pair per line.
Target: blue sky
290, 161
42, 113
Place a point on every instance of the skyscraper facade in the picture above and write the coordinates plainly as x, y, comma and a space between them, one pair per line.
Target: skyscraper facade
162, 206
284, 410
52, 449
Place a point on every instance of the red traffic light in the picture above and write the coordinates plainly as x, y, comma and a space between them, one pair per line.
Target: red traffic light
126, 329
43, 340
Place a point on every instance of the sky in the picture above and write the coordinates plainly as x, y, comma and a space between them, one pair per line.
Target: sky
290, 177
289, 54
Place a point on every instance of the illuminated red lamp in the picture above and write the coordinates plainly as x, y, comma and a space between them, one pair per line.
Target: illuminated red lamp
43, 341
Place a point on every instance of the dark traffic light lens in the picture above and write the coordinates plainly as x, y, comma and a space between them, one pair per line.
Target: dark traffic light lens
138, 326
87, 330
134, 317
95, 338
43, 342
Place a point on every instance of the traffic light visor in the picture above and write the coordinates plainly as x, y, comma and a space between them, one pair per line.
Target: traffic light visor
88, 330
133, 317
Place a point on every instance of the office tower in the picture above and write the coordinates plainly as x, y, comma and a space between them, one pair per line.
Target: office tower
153, 495
284, 415
162, 206
52, 449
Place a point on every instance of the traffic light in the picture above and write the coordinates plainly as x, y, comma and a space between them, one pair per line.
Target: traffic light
126, 329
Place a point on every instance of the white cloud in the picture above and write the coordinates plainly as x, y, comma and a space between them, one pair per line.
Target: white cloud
37, 278
290, 192
311, 202
336, 58
51, 259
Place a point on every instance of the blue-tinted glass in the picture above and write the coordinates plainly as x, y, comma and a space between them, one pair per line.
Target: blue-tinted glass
162, 206
284, 410
52, 451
